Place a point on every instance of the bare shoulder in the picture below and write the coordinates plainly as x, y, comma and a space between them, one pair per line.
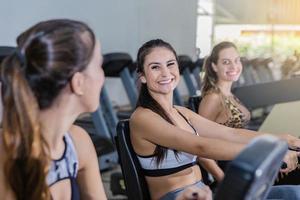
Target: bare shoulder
211, 98
140, 112
142, 115
84, 146
211, 106
144, 122
210, 102
79, 135
189, 114
185, 111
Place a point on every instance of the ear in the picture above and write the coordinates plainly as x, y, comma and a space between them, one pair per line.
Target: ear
143, 79
77, 83
214, 67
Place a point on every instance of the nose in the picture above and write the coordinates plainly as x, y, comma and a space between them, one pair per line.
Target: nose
235, 65
165, 71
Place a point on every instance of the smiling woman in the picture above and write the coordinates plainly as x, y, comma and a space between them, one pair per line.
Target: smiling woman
163, 74
222, 68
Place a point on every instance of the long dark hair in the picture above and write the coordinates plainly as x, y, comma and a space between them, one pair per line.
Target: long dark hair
210, 77
145, 100
47, 56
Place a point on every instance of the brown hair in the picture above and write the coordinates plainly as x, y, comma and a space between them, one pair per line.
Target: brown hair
145, 99
210, 77
47, 56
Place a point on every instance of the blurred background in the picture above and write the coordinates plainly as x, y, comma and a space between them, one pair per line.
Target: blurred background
266, 32
260, 28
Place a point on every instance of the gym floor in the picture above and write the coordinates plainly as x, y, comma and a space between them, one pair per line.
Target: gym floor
106, 183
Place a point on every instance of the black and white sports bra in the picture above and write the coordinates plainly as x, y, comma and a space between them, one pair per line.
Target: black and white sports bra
171, 164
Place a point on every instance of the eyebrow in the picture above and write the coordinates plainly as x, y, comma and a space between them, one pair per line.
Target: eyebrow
230, 59
154, 63
158, 63
171, 60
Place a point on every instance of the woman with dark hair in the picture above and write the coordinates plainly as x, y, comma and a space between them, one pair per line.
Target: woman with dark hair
168, 139
54, 76
222, 68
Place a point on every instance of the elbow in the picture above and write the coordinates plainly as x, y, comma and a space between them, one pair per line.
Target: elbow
203, 150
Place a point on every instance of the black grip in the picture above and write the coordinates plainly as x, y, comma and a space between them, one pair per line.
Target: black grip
283, 165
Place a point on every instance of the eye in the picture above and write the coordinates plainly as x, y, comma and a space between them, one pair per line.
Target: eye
226, 62
154, 66
170, 64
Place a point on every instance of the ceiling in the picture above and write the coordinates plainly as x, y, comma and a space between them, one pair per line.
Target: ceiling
257, 11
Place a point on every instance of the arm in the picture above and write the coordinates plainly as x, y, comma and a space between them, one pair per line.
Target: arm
160, 132
212, 167
89, 179
210, 106
208, 128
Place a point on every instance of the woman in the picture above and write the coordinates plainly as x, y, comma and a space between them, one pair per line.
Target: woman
222, 68
167, 138
54, 76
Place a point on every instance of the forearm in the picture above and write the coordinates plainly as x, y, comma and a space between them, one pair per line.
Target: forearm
244, 136
293, 142
212, 167
218, 149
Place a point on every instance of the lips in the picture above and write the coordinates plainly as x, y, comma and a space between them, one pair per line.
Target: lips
232, 73
167, 81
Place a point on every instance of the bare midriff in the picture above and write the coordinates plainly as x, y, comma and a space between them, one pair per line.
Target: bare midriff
159, 186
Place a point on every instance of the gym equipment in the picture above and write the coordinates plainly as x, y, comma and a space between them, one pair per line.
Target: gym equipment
270, 93
6, 51
117, 65
185, 64
251, 174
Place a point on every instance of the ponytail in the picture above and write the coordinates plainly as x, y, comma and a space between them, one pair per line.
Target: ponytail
27, 158
210, 78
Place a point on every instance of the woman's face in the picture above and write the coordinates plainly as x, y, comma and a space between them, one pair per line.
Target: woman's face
94, 80
229, 66
161, 73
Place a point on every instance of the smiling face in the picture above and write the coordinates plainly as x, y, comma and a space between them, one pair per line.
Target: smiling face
228, 67
160, 71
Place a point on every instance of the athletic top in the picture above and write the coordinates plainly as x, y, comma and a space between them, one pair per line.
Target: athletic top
66, 167
171, 164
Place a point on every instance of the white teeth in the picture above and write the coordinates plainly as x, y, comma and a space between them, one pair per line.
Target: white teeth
165, 81
232, 73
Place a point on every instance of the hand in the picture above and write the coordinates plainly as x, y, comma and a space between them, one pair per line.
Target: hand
195, 193
291, 159
293, 142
